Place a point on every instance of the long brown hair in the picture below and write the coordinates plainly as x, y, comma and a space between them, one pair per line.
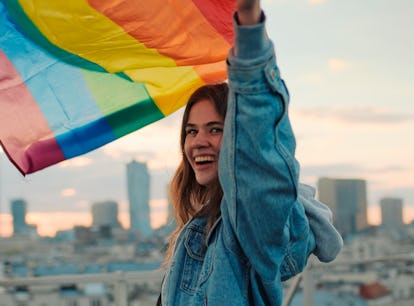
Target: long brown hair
185, 192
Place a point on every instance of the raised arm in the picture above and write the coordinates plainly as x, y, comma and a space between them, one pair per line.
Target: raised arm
258, 169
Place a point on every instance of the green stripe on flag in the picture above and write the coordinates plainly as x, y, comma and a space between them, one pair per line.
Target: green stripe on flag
126, 105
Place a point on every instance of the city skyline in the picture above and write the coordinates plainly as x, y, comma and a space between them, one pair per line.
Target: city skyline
159, 210
346, 64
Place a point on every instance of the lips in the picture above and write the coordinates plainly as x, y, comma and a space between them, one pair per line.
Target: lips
204, 159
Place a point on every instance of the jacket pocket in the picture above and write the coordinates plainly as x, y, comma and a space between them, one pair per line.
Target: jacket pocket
194, 258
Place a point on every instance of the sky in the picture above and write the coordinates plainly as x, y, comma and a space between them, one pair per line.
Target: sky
350, 72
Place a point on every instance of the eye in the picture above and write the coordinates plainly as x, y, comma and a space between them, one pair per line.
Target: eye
216, 130
190, 131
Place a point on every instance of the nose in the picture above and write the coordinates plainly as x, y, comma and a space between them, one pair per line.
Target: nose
201, 139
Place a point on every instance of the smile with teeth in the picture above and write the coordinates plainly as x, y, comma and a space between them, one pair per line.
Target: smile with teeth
204, 159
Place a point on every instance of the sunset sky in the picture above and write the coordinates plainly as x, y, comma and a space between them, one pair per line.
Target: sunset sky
350, 73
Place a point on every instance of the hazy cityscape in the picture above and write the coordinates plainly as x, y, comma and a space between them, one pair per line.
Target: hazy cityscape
107, 264
71, 236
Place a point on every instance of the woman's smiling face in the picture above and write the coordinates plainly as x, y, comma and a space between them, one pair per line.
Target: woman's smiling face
204, 131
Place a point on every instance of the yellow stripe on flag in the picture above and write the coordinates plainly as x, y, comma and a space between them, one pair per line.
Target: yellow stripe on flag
168, 87
115, 50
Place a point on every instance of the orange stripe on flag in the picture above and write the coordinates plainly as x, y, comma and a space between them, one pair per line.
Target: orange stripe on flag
177, 29
212, 73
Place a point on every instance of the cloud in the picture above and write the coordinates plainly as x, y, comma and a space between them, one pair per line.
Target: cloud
336, 64
316, 2
311, 2
76, 162
314, 78
332, 170
128, 151
158, 144
83, 204
68, 192
347, 169
275, 1
371, 115
373, 174
387, 169
48, 222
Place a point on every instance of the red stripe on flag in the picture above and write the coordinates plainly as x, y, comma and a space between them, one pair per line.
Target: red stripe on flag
219, 13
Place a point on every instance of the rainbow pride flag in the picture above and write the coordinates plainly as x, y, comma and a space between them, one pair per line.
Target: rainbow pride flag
78, 74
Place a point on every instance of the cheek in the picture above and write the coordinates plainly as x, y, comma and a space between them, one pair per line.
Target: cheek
187, 151
218, 143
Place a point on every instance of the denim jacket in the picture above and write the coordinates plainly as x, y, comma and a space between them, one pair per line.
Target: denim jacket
263, 235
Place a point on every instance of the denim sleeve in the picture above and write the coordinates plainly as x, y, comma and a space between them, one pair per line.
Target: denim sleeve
258, 170
328, 241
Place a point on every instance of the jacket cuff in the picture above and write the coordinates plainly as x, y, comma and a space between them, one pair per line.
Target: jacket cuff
251, 41
329, 242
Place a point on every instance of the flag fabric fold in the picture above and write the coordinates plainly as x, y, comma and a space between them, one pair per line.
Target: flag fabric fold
76, 75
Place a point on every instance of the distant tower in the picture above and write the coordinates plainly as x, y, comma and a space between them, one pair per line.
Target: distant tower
105, 213
392, 212
138, 181
20, 227
347, 199
18, 210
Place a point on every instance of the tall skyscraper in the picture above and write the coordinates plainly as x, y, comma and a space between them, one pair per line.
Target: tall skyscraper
138, 183
392, 212
347, 199
105, 213
18, 210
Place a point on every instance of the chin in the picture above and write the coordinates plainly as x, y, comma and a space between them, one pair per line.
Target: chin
206, 181
203, 183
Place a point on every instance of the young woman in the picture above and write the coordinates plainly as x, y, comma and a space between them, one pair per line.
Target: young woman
240, 210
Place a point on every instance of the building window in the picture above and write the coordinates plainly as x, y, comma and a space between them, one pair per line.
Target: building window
71, 303
95, 302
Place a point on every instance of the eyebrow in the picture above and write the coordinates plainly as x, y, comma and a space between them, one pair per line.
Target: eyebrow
210, 123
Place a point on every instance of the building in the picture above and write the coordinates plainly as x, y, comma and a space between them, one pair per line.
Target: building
105, 214
20, 227
138, 184
18, 210
392, 212
347, 198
